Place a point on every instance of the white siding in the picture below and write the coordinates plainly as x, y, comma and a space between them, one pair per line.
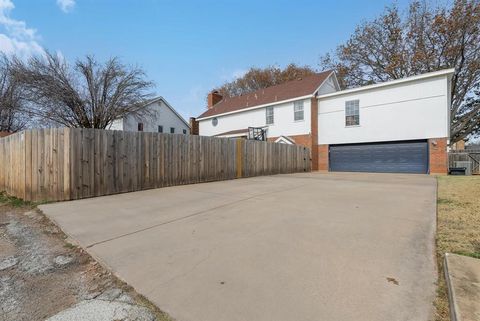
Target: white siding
284, 123
161, 114
329, 86
117, 124
416, 109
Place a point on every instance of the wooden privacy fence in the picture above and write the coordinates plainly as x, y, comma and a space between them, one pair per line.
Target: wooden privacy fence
460, 157
69, 163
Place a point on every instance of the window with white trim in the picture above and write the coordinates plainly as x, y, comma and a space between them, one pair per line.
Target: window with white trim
352, 113
269, 115
298, 110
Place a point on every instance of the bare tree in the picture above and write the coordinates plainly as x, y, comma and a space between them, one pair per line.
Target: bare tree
258, 78
425, 39
89, 94
12, 117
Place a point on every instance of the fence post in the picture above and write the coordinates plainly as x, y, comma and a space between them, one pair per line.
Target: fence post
239, 154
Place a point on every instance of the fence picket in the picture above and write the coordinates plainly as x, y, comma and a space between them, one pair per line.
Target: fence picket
72, 163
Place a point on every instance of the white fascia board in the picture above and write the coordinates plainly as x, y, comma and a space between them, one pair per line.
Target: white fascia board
337, 84
448, 72
257, 107
160, 98
325, 80
174, 111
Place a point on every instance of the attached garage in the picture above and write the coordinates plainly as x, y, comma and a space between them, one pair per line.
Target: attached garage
384, 157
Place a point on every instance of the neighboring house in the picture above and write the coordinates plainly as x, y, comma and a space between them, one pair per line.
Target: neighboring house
161, 118
396, 126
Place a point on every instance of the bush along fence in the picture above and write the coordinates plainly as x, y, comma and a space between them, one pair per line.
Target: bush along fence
69, 163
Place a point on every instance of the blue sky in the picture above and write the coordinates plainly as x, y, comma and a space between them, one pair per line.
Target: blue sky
186, 47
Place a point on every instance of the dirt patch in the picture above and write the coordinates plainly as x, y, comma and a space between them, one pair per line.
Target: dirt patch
42, 275
457, 227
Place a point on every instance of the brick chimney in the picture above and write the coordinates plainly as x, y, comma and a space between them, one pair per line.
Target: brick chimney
194, 126
213, 98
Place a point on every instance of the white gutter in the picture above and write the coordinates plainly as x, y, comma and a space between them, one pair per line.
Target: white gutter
390, 83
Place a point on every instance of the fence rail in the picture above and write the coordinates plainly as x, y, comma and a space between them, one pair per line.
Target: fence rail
467, 155
66, 163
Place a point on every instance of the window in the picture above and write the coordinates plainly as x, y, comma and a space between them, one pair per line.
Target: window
160, 129
214, 121
269, 115
140, 127
352, 114
298, 110
172, 130
185, 131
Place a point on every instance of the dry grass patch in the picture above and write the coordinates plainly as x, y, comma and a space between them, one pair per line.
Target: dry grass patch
458, 229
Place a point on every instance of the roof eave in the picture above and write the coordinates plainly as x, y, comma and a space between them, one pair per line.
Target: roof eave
447, 72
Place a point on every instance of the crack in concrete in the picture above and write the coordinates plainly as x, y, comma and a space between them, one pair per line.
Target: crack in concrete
192, 215
190, 270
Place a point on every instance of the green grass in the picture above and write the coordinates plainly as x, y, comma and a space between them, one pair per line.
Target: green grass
14, 201
70, 246
474, 255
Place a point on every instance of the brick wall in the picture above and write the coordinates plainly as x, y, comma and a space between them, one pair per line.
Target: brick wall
438, 155
194, 126
322, 152
304, 140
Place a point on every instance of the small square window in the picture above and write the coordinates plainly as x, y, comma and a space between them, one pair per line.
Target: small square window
185, 131
269, 116
140, 127
298, 110
172, 130
160, 129
352, 113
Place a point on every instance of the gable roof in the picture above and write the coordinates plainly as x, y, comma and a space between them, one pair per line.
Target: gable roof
302, 87
160, 98
285, 139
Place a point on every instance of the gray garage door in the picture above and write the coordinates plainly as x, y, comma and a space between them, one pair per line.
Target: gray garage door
391, 157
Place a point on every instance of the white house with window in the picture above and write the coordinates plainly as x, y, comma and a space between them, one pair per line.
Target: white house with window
396, 126
161, 118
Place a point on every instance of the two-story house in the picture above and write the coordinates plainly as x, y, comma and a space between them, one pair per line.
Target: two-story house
397, 126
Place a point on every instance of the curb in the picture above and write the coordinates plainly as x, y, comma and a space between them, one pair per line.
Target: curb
451, 293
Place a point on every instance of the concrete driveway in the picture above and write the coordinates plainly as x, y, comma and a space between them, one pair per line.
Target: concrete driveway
287, 247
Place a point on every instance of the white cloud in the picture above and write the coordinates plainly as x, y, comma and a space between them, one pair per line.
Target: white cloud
66, 5
16, 37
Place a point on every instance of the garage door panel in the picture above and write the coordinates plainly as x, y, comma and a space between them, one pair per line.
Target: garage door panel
393, 157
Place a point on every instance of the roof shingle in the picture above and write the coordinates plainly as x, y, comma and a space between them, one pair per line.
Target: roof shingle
291, 89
